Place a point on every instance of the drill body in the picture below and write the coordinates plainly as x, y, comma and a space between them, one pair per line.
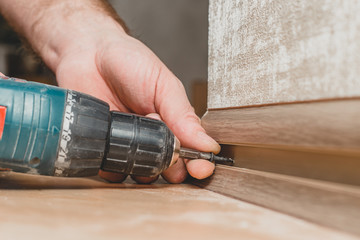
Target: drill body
52, 131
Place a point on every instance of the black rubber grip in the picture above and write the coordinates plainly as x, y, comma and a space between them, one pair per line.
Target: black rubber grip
138, 146
84, 136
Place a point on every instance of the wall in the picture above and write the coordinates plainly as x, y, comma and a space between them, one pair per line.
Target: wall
279, 51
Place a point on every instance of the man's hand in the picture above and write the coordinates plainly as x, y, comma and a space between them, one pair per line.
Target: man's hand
93, 54
127, 75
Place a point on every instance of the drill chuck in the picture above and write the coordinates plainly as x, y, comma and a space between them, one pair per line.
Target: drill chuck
139, 146
95, 138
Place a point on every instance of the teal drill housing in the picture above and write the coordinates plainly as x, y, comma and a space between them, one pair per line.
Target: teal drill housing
33, 115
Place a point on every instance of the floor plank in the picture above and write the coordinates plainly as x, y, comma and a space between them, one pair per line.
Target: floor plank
45, 207
329, 204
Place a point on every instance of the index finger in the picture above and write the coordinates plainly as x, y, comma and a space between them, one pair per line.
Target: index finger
175, 110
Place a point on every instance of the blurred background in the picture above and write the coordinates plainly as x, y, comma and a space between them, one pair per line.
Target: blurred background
175, 30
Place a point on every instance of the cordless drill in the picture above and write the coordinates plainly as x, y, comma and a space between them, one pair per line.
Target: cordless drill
53, 131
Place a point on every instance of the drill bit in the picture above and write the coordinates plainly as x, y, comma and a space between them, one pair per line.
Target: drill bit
194, 154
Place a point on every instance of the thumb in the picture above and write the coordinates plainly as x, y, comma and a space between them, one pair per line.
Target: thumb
174, 108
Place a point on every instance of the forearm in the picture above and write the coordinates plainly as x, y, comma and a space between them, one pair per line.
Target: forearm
53, 28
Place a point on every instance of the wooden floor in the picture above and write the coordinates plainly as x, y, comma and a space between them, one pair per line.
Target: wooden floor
34, 207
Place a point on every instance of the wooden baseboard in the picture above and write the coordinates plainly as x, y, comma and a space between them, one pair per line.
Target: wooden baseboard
332, 205
328, 125
337, 167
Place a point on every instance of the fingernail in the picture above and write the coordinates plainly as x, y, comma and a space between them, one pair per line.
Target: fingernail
209, 140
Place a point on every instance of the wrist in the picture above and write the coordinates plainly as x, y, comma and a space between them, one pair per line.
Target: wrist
53, 28
65, 32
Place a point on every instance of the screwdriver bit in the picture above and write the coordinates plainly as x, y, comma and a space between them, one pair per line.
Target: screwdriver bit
194, 154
